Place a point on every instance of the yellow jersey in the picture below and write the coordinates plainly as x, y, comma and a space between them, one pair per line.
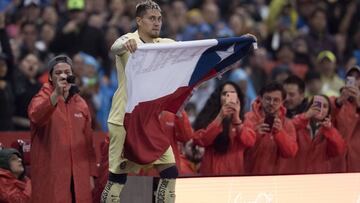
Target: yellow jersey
119, 100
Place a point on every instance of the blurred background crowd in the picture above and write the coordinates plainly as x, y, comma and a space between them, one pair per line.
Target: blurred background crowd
317, 40
291, 35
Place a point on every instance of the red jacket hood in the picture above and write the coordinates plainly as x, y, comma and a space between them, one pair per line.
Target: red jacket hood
6, 174
9, 177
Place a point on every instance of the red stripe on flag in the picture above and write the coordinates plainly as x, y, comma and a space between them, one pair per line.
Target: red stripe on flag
145, 140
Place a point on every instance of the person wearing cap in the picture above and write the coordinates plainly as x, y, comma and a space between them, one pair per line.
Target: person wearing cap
32, 10
326, 65
63, 162
149, 21
347, 121
15, 187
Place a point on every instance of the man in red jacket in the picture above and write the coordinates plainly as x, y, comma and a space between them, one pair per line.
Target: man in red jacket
15, 187
346, 113
62, 155
275, 134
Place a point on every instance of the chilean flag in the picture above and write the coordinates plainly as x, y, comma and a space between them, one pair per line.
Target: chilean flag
161, 77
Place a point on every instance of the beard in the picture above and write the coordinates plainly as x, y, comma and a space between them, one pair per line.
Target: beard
270, 110
154, 34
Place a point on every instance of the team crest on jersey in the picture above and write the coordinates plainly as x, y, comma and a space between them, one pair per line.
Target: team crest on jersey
123, 165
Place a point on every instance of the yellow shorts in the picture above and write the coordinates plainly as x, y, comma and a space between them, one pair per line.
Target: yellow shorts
118, 164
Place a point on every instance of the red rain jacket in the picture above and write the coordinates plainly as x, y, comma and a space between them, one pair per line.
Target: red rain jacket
62, 148
229, 163
179, 130
267, 155
13, 190
347, 121
315, 155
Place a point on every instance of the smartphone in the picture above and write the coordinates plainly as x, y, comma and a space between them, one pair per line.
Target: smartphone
231, 97
269, 119
70, 79
350, 81
318, 100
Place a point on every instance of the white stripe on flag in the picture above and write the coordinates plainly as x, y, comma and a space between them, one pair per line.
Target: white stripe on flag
157, 70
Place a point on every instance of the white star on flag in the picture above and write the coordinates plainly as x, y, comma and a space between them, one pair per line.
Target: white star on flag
226, 53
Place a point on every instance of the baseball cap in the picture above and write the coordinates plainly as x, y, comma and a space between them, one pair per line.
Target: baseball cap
5, 155
353, 69
58, 59
326, 54
31, 3
73, 5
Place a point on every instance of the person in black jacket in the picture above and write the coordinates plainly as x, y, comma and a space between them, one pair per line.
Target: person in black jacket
295, 101
25, 86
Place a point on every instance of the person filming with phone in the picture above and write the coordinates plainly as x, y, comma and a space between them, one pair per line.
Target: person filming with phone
63, 162
318, 140
347, 121
275, 134
218, 128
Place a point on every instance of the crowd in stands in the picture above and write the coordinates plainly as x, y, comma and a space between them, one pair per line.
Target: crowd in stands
318, 41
